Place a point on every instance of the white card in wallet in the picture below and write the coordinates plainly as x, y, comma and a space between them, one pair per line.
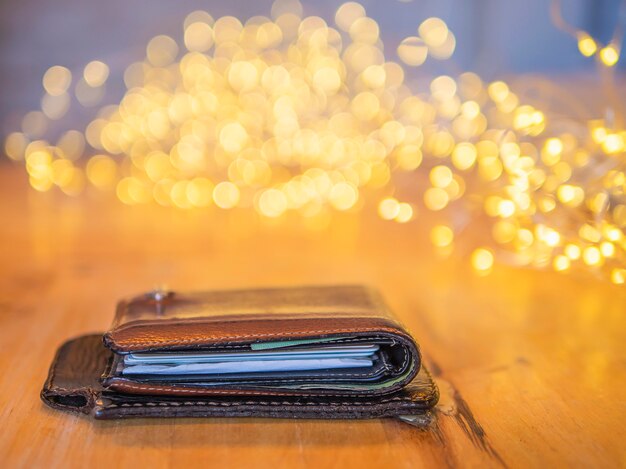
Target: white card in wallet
352, 351
186, 363
253, 366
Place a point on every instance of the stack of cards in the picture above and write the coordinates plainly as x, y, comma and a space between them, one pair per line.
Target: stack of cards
206, 363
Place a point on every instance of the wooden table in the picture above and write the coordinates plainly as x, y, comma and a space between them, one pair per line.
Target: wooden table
530, 365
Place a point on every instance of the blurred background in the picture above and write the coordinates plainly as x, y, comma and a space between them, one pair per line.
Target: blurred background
494, 39
496, 124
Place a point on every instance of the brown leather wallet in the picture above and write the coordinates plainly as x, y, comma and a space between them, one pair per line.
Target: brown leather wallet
308, 352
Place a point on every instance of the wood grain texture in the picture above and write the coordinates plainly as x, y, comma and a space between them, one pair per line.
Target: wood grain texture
531, 365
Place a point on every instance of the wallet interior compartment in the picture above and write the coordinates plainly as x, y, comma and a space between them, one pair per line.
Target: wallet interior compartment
373, 373
392, 360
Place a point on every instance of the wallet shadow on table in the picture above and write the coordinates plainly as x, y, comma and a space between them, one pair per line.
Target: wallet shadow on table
245, 432
248, 432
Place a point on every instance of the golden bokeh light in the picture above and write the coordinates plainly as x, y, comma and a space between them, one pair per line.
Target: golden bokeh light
413, 51
586, 44
347, 14
482, 260
102, 171
226, 195
609, 55
405, 213
161, 51
561, 263
199, 36
618, 276
389, 208
96, 73
272, 203
441, 235
15, 145
440, 176
434, 32
436, 198
592, 256
57, 80
55, 106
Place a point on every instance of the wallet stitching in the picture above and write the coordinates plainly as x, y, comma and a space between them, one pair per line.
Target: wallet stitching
53, 388
407, 400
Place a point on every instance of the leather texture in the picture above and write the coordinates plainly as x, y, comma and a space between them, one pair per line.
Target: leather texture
234, 320
162, 321
74, 384
74, 379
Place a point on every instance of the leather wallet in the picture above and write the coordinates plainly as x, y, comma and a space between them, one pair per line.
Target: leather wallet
306, 352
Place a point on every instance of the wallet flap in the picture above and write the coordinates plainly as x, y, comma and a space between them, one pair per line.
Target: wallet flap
162, 321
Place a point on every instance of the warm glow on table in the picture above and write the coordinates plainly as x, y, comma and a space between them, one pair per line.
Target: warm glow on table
535, 360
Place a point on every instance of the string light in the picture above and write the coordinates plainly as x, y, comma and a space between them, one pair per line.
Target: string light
482, 260
291, 114
609, 55
586, 44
